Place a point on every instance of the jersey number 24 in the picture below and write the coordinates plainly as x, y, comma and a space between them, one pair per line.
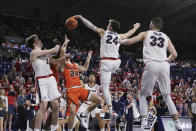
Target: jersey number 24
110, 40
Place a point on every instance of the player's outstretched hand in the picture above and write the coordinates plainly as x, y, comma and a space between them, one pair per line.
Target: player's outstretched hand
136, 25
56, 42
90, 53
66, 41
77, 16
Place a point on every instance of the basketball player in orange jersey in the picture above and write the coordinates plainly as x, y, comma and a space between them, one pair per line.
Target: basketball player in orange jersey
109, 54
75, 91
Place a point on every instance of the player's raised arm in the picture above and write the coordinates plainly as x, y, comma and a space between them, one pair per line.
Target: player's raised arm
172, 50
133, 40
64, 46
86, 65
90, 25
130, 32
37, 53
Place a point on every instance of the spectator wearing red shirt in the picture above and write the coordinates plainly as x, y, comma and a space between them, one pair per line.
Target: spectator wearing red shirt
11, 103
29, 84
18, 64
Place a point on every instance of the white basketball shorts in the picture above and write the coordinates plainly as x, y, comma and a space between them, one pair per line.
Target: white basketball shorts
155, 71
47, 88
107, 67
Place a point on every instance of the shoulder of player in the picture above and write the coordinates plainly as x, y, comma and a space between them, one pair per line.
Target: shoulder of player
101, 31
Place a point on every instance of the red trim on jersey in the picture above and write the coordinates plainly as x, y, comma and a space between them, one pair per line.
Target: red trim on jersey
109, 58
40, 77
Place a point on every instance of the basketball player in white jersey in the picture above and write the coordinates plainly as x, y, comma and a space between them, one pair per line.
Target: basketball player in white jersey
157, 67
109, 54
45, 82
94, 88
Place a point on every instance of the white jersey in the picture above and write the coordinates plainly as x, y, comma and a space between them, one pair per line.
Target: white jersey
41, 66
109, 45
94, 89
155, 46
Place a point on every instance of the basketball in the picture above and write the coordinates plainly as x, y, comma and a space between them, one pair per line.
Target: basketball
71, 23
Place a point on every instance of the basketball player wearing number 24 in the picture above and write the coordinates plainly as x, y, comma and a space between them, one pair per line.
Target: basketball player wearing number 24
109, 48
157, 68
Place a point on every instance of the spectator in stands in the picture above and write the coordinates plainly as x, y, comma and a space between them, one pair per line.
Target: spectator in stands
31, 103
118, 100
129, 112
4, 82
21, 78
21, 100
5, 109
11, 76
11, 103
2, 107
194, 83
29, 84
18, 64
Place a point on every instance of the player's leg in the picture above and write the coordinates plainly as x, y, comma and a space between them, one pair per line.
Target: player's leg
86, 95
147, 85
55, 114
100, 121
42, 88
165, 88
54, 96
105, 78
40, 115
72, 109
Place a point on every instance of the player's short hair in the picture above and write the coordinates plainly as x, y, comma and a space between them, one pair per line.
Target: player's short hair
92, 73
157, 22
115, 25
30, 40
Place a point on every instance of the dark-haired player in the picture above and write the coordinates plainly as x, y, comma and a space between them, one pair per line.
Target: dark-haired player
157, 68
109, 54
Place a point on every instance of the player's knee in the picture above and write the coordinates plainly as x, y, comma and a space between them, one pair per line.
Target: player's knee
43, 108
72, 109
143, 94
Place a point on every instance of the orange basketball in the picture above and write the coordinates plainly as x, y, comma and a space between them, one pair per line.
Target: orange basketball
71, 23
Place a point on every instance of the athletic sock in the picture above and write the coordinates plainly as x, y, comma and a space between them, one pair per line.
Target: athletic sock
177, 121
102, 129
36, 129
54, 127
70, 129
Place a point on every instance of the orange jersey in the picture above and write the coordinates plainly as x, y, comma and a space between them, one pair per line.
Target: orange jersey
55, 72
72, 75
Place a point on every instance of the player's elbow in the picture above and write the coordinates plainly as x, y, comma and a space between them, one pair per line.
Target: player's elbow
175, 55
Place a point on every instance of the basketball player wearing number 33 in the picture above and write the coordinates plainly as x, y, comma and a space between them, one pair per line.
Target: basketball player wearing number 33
157, 68
109, 54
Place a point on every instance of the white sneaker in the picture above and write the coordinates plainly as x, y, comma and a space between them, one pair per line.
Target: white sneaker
143, 123
54, 127
83, 119
178, 126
